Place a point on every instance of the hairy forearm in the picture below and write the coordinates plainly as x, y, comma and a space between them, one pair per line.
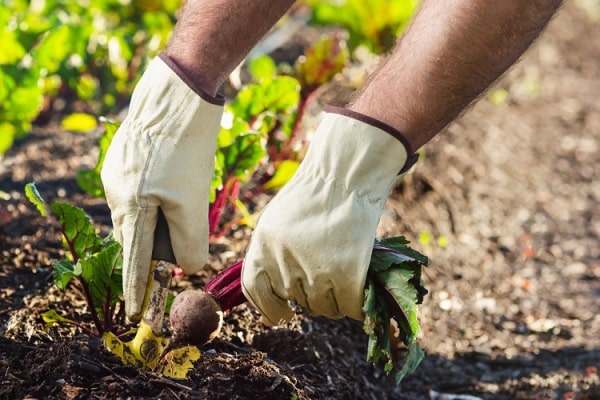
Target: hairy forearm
213, 36
450, 53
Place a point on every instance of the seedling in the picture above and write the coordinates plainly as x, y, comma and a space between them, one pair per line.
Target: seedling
393, 291
93, 263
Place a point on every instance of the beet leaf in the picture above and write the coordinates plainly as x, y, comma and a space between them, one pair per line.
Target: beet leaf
94, 263
393, 290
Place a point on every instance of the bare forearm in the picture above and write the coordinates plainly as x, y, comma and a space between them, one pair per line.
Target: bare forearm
452, 51
213, 36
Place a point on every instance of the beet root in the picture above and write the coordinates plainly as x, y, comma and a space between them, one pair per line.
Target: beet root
195, 318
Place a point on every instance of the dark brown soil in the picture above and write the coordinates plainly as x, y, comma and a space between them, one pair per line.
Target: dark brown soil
514, 304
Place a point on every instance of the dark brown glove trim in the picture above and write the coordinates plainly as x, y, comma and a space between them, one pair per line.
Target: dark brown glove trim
412, 157
216, 100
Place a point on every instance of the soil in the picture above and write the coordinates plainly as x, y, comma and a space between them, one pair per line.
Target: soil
504, 202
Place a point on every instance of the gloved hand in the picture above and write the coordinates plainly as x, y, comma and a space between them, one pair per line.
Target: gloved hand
161, 156
312, 244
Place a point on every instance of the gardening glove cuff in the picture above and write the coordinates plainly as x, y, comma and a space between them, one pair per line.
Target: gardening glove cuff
312, 244
161, 156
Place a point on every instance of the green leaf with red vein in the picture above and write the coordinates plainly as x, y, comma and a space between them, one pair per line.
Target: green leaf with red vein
79, 233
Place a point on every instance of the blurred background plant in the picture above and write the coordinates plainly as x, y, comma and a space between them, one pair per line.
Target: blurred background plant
67, 56
374, 24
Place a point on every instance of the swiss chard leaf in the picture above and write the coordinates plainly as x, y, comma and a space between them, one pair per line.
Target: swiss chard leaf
413, 358
321, 62
262, 67
279, 94
284, 172
242, 156
240, 150
374, 24
401, 296
398, 249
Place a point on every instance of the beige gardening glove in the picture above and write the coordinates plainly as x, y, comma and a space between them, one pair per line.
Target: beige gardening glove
313, 242
161, 156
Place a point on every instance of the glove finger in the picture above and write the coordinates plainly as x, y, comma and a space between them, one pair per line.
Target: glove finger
322, 303
188, 230
137, 238
258, 290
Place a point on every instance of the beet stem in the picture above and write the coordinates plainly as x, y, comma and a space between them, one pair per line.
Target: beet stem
226, 287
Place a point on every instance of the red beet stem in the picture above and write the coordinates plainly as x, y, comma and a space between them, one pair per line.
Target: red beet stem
226, 287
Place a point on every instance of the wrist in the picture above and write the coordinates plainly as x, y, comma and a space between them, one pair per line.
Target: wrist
196, 81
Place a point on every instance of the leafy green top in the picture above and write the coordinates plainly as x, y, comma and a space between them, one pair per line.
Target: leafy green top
393, 290
94, 262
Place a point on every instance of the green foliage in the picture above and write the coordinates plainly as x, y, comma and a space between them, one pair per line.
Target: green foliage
79, 234
394, 289
242, 153
374, 23
91, 51
270, 93
95, 263
265, 114
285, 170
89, 180
36, 198
101, 271
261, 117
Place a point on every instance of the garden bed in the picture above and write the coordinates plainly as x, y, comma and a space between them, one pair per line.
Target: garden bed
505, 203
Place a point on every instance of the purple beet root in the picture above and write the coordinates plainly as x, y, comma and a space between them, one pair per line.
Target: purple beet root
195, 318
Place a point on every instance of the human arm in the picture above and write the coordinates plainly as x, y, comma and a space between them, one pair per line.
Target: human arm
212, 37
312, 243
450, 53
